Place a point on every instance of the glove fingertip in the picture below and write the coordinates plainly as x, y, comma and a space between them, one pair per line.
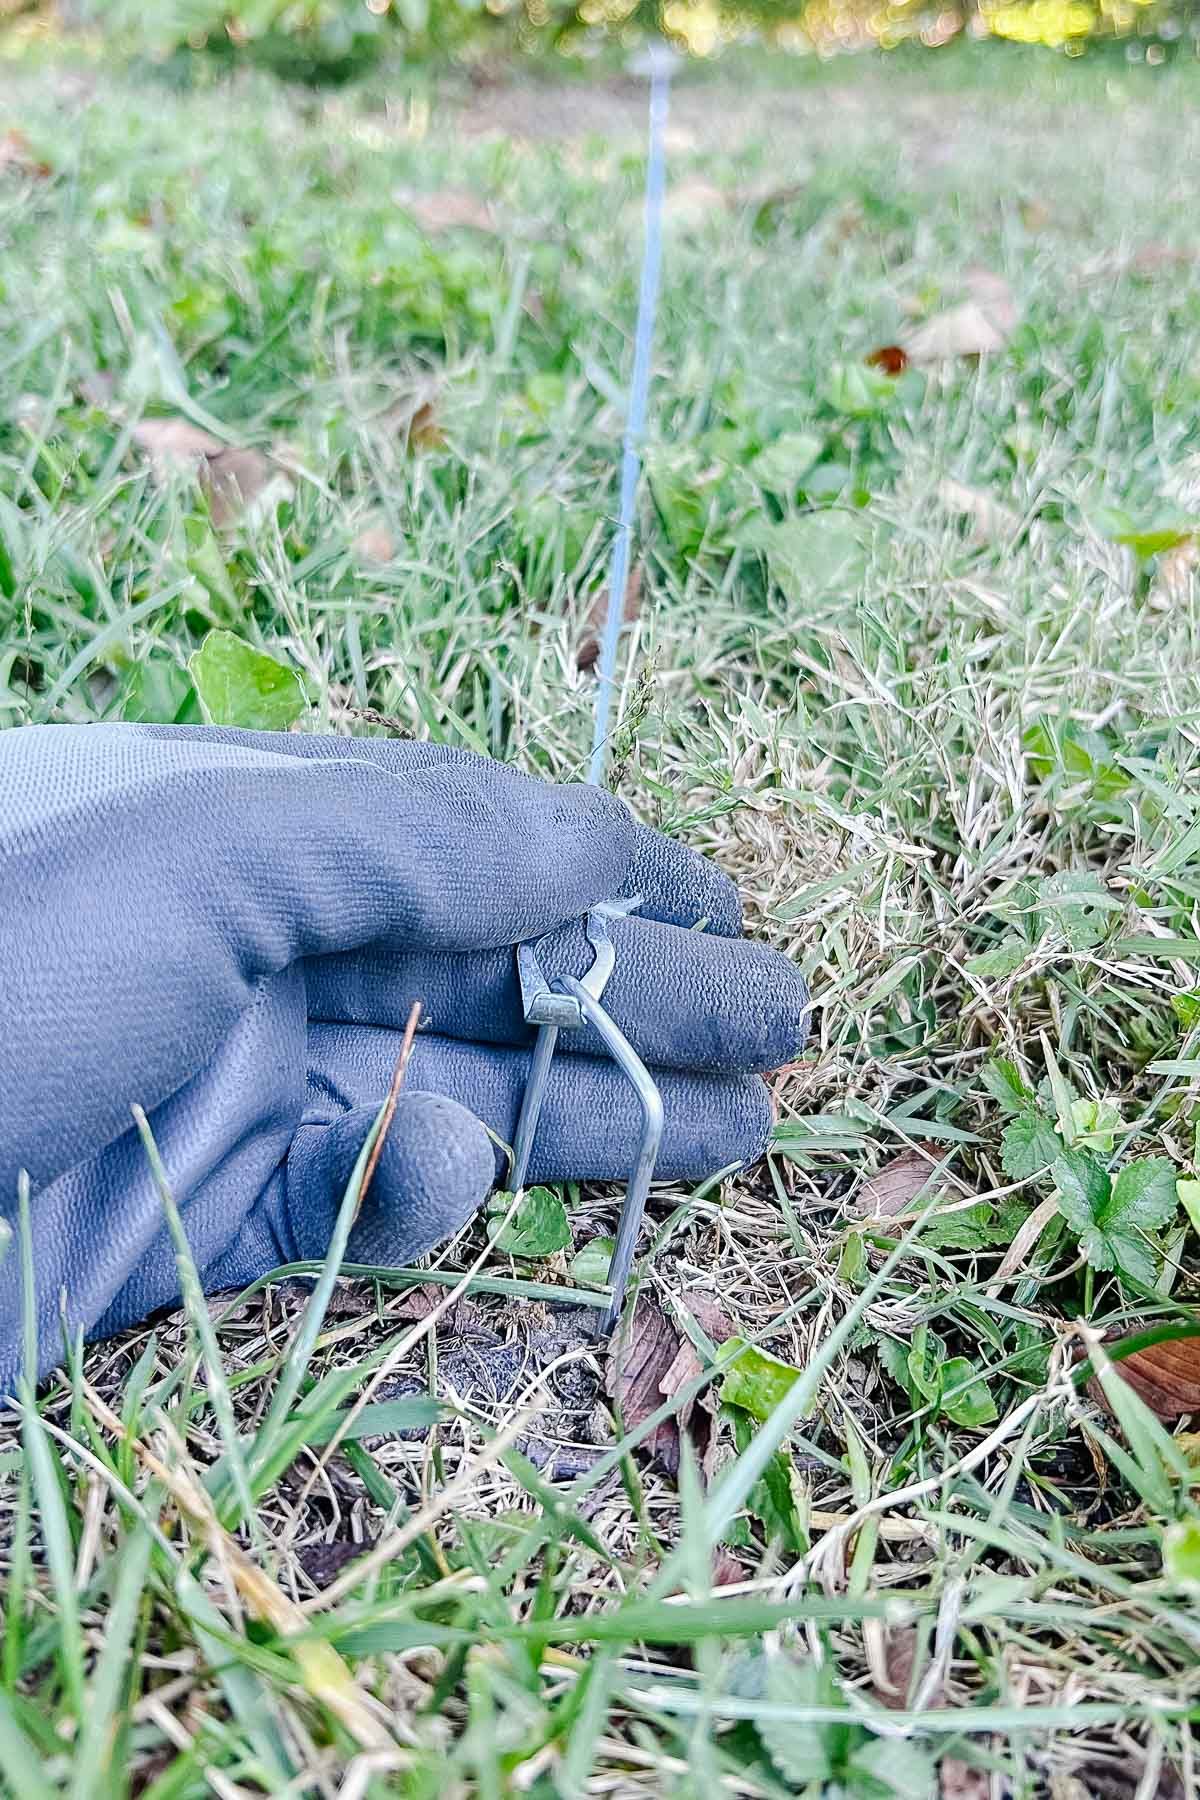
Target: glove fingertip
436, 1168
680, 887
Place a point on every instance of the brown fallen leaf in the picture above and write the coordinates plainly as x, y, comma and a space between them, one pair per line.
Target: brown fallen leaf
980, 326
447, 209
959, 1780
589, 649
173, 444
413, 418
375, 543
652, 1361
727, 1571
1147, 259
1173, 572
892, 1666
233, 480
891, 358
17, 158
893, 1188
1166, 1376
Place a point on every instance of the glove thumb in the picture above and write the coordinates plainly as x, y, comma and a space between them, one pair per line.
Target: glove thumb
436, 1167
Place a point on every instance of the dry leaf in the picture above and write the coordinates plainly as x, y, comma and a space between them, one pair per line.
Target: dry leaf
960, 1781
447, 209
374, 543
239, 481
424, 429
16, 157
1166, 1376
1173, 572
1027, 1236
891, 358
727, 1571
651, 1363
1152, 257
1148, 259
979, 327
174, 444
589, 649
235, 481
894, 1666
414, 419
991, 518
897, 1183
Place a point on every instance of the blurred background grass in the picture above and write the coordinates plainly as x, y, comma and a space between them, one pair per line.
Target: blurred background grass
335, 40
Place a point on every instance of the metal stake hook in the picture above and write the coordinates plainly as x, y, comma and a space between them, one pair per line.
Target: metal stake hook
567, 1003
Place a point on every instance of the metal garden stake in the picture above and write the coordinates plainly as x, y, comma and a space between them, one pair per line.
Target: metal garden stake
566, 1003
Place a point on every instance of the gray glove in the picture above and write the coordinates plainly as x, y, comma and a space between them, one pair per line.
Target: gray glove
230, 928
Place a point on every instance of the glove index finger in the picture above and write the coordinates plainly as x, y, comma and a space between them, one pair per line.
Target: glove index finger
677, 886
680, 887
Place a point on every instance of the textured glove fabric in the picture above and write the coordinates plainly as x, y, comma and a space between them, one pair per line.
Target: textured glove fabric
229, 928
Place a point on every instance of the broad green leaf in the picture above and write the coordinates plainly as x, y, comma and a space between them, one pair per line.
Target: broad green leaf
773, 1500
1109, 1219
1181, 1554
1189, 1198
897, 1766
538, 1226
159, 692
972, 1405
1147, 535
926, 1361
238, 685
998, 964
976, 1227
818, 552
781, 465
1144, 1193
591, 1263
802, 1752
1002, 1079
1186, 1007
894, 1357
852, 1262
1076, 901
1028, 1145
858, 390
757, 1381
1096, 1122
1083, 1189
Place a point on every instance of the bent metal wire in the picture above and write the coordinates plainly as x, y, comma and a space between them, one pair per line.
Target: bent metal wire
565, 1003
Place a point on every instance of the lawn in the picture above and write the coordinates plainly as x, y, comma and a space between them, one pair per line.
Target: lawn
912, 651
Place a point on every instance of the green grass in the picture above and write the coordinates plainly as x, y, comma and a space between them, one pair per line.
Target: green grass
946, 742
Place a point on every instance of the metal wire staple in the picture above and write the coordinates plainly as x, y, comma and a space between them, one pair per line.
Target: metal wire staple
566, 1003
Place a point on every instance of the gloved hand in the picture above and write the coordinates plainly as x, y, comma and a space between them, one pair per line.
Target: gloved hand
230, 928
